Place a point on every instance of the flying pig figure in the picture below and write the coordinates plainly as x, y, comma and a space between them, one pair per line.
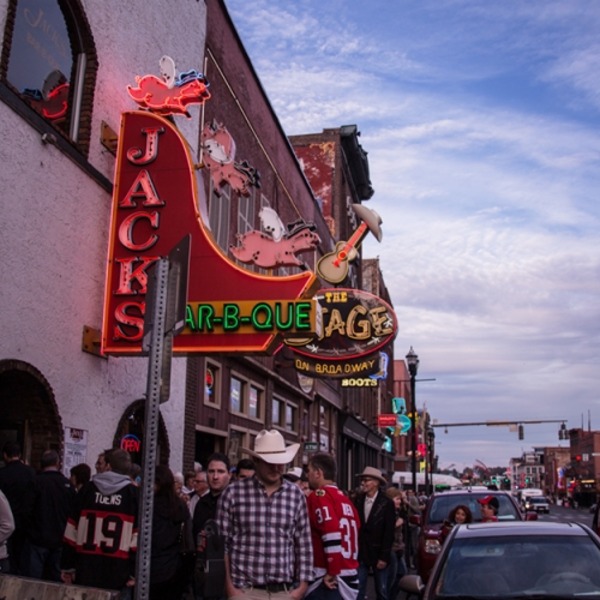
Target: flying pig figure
262, 250
171, 93
218, 156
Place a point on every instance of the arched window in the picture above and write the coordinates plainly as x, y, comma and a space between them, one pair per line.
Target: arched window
49, 62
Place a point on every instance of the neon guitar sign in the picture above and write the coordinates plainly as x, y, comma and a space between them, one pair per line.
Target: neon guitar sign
333, 267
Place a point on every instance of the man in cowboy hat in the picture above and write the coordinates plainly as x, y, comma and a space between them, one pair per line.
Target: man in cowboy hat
264, 522
376, 536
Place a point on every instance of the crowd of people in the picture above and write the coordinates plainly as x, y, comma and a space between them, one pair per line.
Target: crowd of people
257, 529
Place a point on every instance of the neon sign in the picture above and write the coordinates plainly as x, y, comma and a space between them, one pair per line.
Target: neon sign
258, 316
131, 443
355, 327
154, 206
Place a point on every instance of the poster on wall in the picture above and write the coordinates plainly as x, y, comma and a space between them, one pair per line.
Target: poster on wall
76, 444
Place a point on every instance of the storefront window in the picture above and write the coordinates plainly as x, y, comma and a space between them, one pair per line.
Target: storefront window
235, 394
48, 61
254, 402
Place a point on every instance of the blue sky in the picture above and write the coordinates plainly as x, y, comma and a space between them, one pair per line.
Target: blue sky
482, 125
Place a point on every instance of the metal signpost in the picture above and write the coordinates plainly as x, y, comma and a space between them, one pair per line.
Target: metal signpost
164, 318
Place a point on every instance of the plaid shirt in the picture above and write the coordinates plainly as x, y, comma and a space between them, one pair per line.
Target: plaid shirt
267, 538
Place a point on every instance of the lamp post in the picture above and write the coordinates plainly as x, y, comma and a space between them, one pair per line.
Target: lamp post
431, 459
412, 360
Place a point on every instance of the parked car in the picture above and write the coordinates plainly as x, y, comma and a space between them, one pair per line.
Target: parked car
537, 503
517, 559
437, 510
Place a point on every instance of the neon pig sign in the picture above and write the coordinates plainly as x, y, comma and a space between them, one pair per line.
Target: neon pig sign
154, 206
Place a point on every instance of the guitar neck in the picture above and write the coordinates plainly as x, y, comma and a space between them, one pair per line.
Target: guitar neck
353, 242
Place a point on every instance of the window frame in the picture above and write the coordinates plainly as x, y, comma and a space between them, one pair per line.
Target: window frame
75, 141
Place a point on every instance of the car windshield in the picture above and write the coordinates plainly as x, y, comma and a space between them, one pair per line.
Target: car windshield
536, 566
538, 500
442, 505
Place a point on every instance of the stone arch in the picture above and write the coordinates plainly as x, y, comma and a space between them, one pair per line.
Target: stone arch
28, 410
132, 423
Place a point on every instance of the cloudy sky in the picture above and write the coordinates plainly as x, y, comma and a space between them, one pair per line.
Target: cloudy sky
482, 125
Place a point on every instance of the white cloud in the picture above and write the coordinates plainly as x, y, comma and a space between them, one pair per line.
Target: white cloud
481, 125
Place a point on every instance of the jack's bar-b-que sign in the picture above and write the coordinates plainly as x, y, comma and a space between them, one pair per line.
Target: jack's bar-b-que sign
356, 325
229, 309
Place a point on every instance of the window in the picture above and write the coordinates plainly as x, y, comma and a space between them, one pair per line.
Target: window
290, 417
246, 398
246, 213
284, 414
254, 402
220, 206
49, 61
236, 391
212, 384
276, 408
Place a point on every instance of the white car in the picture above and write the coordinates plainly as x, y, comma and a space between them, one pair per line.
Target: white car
537, 503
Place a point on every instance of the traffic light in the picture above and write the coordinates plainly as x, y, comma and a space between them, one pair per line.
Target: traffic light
521, 432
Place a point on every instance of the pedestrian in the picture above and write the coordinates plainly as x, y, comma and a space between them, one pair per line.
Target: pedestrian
457, 516
218, 478
265, 526
7, 526
79, 475
414, 510
244, 468
16, 481
398, 565
334, 524
169, 573
298, 476
53, 503
489, 509
101, 465
377, 519
200, 488
101, 535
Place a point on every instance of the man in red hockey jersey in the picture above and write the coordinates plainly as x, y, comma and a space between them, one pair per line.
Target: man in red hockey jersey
334, 524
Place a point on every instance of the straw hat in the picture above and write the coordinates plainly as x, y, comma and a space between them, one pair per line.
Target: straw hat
372, 472
270, 447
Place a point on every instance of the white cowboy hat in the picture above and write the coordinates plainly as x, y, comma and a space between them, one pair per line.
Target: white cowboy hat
372, 472
270, 447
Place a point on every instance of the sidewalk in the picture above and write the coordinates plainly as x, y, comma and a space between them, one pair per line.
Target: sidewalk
20, 588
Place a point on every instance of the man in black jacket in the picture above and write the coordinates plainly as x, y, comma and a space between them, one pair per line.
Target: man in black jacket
218, 476
376, 536
54, 497
16, 481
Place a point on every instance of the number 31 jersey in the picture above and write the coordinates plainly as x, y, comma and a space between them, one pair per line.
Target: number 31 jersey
334, 524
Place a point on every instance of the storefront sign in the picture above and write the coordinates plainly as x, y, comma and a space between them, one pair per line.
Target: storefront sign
356, 325
229, 309
386, 420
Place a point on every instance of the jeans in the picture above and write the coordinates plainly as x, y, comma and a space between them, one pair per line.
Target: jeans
380, 578
397, 571
323, 593
41, 563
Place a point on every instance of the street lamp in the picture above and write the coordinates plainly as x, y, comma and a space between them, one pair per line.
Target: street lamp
431, 460
412, 360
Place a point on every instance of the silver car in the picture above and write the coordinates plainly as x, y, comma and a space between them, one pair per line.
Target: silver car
519, 559
537, 503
